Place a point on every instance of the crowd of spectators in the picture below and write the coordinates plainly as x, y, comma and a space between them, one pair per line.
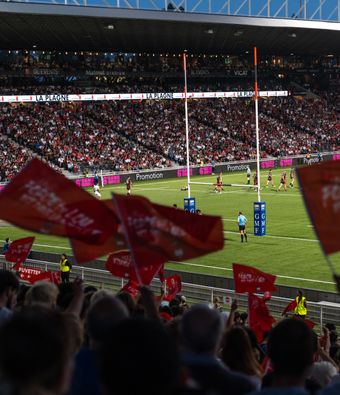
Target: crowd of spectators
148, 62
12, 158
68, 137
74, 339
136, 135
133, 135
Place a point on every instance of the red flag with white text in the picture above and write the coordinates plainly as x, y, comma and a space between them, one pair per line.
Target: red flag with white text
120, 264
173, 286
19, 250
32, 275
115, 242
250, 279
52, 277
131, 288
43, 200
320, 184
158, 234
259, 318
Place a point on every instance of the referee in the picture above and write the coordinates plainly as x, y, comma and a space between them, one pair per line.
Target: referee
242, 220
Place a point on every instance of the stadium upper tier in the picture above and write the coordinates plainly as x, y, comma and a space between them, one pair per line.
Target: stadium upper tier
324, 10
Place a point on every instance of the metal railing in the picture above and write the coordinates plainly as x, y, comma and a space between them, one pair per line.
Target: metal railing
317, 10
318, 311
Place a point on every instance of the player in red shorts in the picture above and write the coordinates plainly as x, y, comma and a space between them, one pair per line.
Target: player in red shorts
255, 180
270, 178
128, 185
218, 188
292, 177
283, 182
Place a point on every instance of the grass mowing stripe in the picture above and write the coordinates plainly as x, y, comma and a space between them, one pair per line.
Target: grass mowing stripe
211, 267
277, 237
290, 249
227, 269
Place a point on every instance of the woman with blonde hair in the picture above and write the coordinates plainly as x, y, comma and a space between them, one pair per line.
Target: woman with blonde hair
42, 293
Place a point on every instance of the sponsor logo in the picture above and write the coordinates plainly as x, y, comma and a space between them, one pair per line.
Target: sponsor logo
236, 167
150, 176
160, 95
52, 97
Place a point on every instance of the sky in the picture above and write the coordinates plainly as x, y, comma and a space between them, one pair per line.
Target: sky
328, 11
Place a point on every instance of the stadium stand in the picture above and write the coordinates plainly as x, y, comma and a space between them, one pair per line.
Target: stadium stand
120, 136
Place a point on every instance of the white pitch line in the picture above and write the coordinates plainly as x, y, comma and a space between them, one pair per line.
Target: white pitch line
279, 237
230, 270
46, 245
209, 267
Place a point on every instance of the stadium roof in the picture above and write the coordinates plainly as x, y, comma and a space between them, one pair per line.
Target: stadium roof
78, 28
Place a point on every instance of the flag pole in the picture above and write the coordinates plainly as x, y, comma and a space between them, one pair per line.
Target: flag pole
257, 127
127, 238
186, 118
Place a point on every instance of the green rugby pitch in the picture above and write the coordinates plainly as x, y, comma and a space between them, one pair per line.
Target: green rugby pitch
290, 250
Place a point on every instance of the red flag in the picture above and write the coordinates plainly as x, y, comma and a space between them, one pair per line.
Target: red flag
158, 234
52, 277
320, 185
250, 279
173, 286
19, 249
290, 306
309, 323
115, 242
42, 200
260, 320
131, 288
120, 264
32, 275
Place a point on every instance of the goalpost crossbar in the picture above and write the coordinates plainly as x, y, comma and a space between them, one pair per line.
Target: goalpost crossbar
224, 185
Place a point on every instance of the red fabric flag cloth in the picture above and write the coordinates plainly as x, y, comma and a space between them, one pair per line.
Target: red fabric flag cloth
290, 306
250, 279
115, 242
260, 320
52, 277
32, 275
120, 264
309, 323
42, 200
158, 234
320, 184
131, 288
173, 286
19, 250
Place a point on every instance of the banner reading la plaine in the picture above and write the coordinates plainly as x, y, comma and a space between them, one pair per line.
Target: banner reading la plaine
320, 184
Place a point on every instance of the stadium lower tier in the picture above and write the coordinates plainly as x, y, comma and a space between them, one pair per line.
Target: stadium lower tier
129, 135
